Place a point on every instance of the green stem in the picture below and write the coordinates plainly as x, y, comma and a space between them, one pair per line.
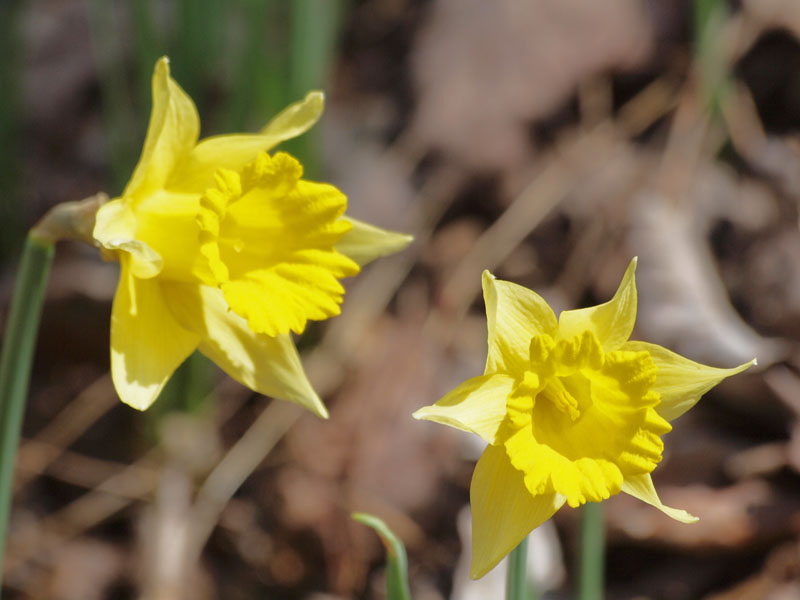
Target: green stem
15, 361
592, 552
517, 579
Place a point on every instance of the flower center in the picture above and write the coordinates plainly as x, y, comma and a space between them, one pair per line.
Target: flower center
580, 419
552, 389
269, 240
561, 398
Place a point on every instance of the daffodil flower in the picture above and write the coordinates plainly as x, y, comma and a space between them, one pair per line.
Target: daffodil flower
225, 249
572, 412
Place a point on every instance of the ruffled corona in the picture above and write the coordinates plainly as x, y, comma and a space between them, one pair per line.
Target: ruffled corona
573, 412
270, 239
580, 419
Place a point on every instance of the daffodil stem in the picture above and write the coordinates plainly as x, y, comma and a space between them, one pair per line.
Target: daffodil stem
592, 552
517, 579
16, 357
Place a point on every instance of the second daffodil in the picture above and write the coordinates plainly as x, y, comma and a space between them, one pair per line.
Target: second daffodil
226, 249
573, 412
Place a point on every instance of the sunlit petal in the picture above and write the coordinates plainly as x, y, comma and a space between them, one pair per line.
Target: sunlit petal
295, 119
147, 342
478, 405
268, 365
514, 315
171, 135
680, 381
641, 487
115, 231
503, 512
364, 242
612, 322
196, 172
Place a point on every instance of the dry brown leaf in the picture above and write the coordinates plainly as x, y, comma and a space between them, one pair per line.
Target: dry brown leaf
778, 580
486, 70
683, 304
745, 513
775, 13
83, 570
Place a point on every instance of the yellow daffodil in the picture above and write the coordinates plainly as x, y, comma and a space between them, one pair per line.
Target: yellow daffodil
573, 412
226, 249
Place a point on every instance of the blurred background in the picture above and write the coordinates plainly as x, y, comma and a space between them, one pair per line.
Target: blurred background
546, 140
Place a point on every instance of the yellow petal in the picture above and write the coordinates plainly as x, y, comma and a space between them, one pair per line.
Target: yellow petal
233, 152
145, 262
268, 365
680, 381
295, 119
364, 242
167, 222
612, 322
171, 134
514, 315
503, 511
114, 222
478, 405
147, 342
641, 487
115, 230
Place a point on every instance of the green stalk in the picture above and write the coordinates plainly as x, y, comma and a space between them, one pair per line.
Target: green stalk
517, 578
15, 361
397, 587
710, 17
592, 552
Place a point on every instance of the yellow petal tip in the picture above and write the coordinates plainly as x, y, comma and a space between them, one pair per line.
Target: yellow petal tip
162, 66
316, 96
487, 279
477, 573
421, 414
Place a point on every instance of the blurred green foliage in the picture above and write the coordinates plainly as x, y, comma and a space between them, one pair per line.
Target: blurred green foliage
241, 61
709, 21
10, 232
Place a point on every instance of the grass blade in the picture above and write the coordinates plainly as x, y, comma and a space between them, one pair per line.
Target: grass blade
396, 559
16, 358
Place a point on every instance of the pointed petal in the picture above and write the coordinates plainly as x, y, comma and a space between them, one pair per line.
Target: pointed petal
503, 510
612, 322
641, 487
147, 343
268, 365
364, 242
680, 381
296, 119
114, 220
478, 405
514, 315
233, 152
171, 134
